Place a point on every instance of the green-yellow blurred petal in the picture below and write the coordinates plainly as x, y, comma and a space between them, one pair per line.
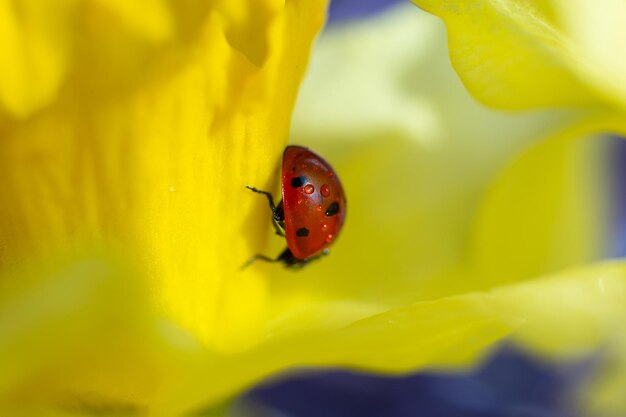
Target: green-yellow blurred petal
69, 331
417, 186
570, 314
549, 208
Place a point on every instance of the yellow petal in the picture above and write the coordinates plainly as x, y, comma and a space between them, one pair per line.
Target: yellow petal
512, 54
43, 43
35, 40
149, 18
76, 326
162, 122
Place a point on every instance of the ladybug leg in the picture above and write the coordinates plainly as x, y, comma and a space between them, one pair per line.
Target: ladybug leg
287, 258
286, 254
257, 257
278, 219
278, 215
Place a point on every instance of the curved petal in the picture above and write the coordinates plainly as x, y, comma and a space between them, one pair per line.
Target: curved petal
550, 207
568, 313
597, 30
519, 55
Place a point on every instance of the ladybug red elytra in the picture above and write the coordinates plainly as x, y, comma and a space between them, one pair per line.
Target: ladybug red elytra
312, 210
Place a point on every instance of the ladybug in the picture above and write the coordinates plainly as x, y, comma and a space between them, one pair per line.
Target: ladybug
312, 210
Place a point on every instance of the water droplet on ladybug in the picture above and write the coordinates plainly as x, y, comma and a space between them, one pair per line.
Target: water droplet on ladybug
309, 188
319, 208
325, 190
324, 227
329, 238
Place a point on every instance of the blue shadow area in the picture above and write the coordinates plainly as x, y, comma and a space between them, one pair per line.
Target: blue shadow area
344, 10
510, 384
617, 166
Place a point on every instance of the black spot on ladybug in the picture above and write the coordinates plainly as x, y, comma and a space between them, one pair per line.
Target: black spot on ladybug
302, 232
332, 209
297, 182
